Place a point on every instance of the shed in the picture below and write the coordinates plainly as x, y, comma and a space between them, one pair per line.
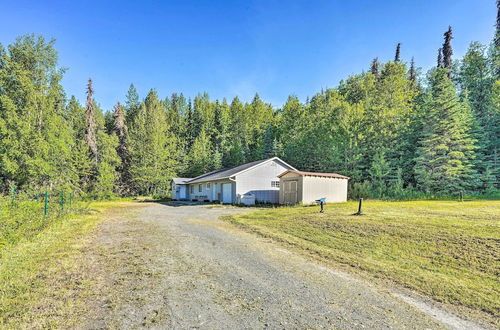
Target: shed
307, 187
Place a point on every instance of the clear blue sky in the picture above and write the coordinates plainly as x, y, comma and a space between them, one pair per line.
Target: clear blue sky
228, 48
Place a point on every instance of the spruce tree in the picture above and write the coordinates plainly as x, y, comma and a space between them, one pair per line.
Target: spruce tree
445, 157
398, 51
375, 66
91, 130
412, 74
440, 58
447, 50
132, 104
121, 131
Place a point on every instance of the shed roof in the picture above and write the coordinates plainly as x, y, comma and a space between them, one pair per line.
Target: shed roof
326, 175
232, 171
181, 180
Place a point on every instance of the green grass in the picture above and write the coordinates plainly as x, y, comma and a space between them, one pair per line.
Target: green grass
40, 275
447, 250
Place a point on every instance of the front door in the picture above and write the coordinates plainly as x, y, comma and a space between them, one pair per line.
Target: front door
226, 193
290, 192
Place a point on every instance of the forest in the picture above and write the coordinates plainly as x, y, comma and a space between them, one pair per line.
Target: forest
396, 131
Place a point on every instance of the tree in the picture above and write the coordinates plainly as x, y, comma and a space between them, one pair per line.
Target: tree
412, 74
91, 130
153, 148
445, 157
398, 51
447, 50
132, 104
35, 141
375, 66
440, 63
120, 129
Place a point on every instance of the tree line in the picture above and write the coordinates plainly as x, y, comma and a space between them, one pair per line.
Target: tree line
392, 129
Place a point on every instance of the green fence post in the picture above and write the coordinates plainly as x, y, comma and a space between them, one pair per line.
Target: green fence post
13, 196
70, 199
61, 200
46, 206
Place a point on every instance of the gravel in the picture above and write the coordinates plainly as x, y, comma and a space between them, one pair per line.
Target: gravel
171, 266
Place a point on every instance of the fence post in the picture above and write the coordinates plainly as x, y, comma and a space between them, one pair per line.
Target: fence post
46, 205
70, 199
13, 196
360, 207
61, 200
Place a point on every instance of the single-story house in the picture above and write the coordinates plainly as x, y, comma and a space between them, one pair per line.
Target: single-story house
228, 185
264, 181
307, 187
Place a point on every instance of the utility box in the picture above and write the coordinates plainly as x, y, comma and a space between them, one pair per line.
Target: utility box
246, 199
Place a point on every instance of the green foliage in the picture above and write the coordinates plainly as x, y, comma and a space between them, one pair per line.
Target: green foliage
445, 161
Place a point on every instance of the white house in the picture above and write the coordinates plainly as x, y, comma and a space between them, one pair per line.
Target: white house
259, 178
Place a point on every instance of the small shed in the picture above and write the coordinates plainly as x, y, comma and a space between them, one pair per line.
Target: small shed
307, 187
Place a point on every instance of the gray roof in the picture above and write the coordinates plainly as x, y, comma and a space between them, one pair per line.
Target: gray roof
231, 171
181, 180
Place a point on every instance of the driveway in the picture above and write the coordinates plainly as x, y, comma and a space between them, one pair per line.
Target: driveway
168, 266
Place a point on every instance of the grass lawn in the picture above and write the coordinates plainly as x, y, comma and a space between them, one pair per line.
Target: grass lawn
41, 276
447, 250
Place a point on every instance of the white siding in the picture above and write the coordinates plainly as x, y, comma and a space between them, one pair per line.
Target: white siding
333, 189
257, 181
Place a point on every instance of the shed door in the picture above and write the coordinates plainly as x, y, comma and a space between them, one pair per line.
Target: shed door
290, 191
226, 193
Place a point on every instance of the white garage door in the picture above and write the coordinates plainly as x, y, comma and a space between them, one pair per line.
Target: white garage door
226, 193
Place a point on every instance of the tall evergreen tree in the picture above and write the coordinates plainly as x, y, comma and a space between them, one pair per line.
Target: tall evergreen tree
153, 148
412, 74
121, 131
440, 63
132, 104
398, 53
374, 68
445, 160
447, 50
91, 131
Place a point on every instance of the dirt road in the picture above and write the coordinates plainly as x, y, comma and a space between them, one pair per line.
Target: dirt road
164, 266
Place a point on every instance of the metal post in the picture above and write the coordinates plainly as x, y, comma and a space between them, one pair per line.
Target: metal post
360, 207
46, 205
70, 199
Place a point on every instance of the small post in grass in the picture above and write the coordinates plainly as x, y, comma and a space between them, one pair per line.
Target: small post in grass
360, 206
61, 200
46, 205
70, 199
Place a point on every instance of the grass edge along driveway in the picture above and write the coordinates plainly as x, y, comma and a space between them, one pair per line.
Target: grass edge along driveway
446, 250
41, 277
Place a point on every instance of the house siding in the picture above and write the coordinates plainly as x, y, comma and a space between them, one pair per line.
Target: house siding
257, 181
333, 189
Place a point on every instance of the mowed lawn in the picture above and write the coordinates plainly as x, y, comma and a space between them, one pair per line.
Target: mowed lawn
445, 249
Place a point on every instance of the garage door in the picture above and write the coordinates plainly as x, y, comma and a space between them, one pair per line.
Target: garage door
290, 192
226, 193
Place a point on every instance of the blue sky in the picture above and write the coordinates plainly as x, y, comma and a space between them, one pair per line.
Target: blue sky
229, 48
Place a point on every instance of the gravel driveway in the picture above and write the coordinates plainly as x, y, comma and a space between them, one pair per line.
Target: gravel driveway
167, 266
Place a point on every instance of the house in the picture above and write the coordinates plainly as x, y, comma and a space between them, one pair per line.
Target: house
179, 188
259, 178
307, 187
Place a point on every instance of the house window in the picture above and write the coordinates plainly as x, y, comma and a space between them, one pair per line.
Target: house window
275, 184
192, 189
208, 185
199, 188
